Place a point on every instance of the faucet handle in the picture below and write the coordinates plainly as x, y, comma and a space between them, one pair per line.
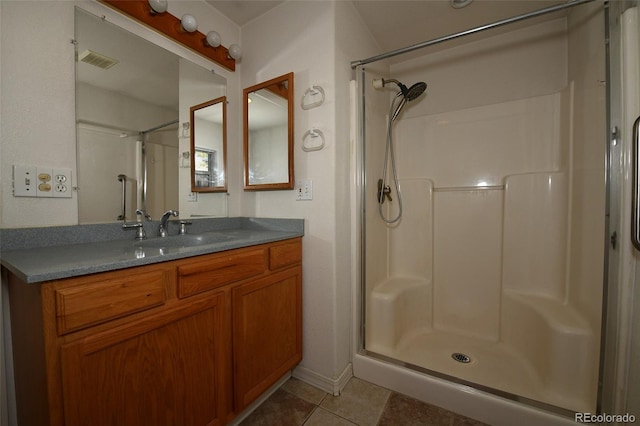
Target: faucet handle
138, 226
144, 213
183, 226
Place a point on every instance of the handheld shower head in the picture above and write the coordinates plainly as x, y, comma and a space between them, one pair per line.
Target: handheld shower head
414, 91
410, 93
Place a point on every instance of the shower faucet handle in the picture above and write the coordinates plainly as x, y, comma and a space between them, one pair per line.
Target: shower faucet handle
383, 191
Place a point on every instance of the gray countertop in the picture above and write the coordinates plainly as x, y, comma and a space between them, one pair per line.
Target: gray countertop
43, 254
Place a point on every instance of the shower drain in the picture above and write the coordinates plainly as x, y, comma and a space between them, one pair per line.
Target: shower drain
460, 357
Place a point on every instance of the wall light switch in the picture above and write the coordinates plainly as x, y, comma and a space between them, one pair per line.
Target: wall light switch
44, 182
304, 189
25, 181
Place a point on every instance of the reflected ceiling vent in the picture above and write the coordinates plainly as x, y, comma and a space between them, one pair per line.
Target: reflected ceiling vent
97, 60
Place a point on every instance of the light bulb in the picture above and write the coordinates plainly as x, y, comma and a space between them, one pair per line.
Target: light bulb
158, 6
235, 52
189, 23
213, 39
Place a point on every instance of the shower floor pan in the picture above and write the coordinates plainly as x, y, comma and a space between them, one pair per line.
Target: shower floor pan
491, 365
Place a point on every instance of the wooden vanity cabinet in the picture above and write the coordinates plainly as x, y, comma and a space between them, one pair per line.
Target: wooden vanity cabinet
185, 342
161, 369
267, 333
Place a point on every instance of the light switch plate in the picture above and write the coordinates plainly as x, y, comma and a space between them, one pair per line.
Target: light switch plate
25, 181
304, 189
44, 182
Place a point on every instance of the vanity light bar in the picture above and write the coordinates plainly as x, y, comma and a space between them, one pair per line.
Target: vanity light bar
171, 27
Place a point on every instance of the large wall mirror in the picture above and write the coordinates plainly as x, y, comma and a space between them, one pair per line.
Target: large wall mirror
133, 100
268, 135
209, 146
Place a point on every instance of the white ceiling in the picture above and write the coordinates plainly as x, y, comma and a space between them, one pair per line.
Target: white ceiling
399, 23
243, 11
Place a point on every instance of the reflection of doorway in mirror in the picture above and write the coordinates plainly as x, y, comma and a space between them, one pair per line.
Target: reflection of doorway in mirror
162, 172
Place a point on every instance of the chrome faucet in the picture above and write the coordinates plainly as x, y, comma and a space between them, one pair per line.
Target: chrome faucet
163, 221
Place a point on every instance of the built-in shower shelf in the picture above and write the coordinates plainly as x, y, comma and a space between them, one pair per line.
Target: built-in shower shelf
556, 314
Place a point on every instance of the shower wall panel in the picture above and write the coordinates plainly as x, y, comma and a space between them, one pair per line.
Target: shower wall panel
481, 146
535, 234
453, 168
411, 241
468, 233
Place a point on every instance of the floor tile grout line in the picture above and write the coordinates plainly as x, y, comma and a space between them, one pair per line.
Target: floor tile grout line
315, 408
303, 398
319, 407
384, 408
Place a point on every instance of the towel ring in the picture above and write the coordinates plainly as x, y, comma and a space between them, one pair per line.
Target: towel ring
312, 91
312, 133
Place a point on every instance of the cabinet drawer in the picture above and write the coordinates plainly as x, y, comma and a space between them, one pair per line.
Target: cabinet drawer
105, 299
219, 270
285, 254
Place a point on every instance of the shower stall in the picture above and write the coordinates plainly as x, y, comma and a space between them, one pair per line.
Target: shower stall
492, 274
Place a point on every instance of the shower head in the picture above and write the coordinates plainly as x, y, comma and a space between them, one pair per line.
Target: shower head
414, 91
409, 94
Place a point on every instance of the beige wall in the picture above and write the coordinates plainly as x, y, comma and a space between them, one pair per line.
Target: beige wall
328, 36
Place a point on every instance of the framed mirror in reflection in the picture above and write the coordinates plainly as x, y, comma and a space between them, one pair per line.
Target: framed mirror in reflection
268, 135
133, 101
209, 146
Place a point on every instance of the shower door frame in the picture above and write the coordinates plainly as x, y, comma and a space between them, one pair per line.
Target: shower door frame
622, 266
613, 175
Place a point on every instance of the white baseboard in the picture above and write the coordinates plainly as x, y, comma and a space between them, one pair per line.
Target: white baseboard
329, 385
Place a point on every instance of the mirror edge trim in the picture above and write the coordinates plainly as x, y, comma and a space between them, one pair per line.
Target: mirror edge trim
192, 129
245, 124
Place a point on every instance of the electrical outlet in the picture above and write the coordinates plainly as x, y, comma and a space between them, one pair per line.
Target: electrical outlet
25, 181
304, 189
30, 181
61, 183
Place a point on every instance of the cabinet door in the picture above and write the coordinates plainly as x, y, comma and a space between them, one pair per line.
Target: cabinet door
267, 332
164, 369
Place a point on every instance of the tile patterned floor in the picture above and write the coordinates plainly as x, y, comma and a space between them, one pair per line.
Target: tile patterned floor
361, 403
